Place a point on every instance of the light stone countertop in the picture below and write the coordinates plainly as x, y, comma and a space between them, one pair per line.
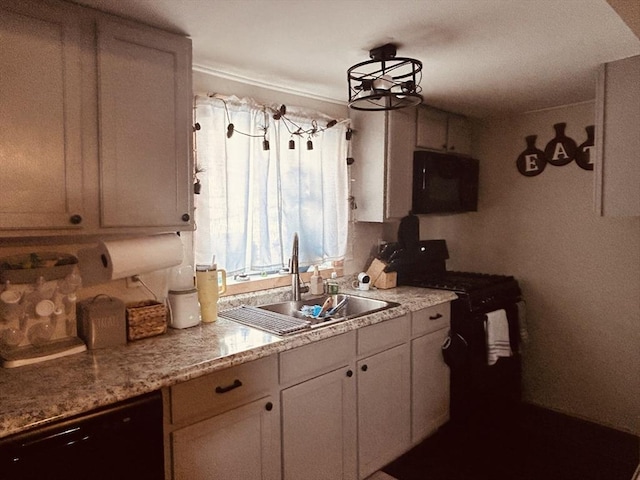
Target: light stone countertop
42, 393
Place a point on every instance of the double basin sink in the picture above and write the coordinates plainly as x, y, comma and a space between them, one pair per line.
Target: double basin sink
346, 308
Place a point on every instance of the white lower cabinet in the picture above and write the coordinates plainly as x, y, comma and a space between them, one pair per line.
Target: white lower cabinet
225, 425
319, 428
384, 382
429, 373
429, 385
236, 445
384, 414
319, 410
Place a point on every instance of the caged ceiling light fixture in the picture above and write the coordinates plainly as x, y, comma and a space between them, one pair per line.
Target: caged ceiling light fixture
385, 82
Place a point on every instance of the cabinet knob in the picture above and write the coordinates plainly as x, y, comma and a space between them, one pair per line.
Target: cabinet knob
268, 407
186, 217
452, 147
349, 373
75, 219
364, 368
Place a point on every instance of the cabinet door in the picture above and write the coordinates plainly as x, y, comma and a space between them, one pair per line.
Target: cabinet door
431, 129
458, 135
384, 415
430, 385
401, 141
144, 89
319, 428
368, 171
617, 142
40, 136
240, 444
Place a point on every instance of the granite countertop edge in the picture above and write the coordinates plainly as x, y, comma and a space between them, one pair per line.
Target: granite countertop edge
39, 394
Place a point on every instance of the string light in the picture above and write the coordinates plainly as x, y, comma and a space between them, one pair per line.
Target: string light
280, 114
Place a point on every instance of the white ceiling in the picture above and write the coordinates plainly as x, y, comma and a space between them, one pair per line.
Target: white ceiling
481, 57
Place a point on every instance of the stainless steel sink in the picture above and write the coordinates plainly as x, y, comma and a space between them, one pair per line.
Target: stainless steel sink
353, 307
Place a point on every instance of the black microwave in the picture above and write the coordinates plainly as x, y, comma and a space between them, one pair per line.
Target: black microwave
444, 183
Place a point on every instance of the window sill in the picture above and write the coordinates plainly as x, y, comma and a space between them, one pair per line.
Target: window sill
275, 281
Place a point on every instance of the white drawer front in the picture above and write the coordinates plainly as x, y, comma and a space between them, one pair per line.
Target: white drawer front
430, 319
223, 390
316, 358
381, 336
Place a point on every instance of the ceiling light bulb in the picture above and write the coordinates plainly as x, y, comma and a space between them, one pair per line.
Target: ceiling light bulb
265, 144
385, 82
292, 144
309, 145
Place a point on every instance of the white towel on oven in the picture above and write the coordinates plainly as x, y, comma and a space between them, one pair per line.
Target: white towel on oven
497, 332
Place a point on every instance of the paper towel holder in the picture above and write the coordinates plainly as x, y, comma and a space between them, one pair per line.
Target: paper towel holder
124, 258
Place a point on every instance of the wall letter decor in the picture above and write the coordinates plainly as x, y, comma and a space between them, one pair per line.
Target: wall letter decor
583, 153
532, 161
561, 150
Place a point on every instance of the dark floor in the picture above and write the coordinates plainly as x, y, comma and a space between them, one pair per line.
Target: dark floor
535, 444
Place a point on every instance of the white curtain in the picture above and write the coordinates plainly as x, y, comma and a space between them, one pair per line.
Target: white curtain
253, 200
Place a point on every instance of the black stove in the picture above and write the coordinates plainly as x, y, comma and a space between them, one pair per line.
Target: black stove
478, 390
480, 291
423, 264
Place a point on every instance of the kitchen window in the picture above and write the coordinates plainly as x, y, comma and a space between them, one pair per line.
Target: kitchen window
252, 200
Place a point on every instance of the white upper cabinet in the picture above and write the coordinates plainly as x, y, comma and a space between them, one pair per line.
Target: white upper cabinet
383, 145
617, 142
40, 138
144, 131
95, 131
442, 131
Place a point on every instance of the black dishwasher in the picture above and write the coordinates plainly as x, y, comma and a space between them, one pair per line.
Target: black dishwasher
122, 441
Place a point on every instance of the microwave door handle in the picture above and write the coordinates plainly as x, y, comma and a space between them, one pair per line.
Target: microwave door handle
424, 177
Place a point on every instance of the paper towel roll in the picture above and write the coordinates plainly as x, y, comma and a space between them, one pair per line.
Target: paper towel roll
116, 259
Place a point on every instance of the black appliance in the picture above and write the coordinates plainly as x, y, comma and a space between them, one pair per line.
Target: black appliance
444, 183
123, 441
479, 391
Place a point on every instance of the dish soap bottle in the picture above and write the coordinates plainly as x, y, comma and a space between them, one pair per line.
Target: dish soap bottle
315, 282
332, 285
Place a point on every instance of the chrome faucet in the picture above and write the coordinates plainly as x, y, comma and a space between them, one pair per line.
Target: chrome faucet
297, 288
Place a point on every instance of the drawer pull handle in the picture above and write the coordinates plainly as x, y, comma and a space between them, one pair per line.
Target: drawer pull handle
236, 383
435, 317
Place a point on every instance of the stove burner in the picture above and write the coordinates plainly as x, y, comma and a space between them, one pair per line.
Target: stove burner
479, 291
464, 282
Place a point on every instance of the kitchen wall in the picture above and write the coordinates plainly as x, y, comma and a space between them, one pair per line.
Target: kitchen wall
580, 273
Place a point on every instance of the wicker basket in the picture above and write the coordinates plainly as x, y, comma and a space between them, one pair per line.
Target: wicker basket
146, 319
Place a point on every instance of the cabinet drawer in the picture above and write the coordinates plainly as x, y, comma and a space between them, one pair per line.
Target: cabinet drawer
316, 358
221, 391
430, 319
375, 338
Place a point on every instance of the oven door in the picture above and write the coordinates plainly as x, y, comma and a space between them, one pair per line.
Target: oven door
480, 391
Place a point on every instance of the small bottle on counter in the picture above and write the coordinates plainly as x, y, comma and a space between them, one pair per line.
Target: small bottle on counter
332, 284
316, 286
